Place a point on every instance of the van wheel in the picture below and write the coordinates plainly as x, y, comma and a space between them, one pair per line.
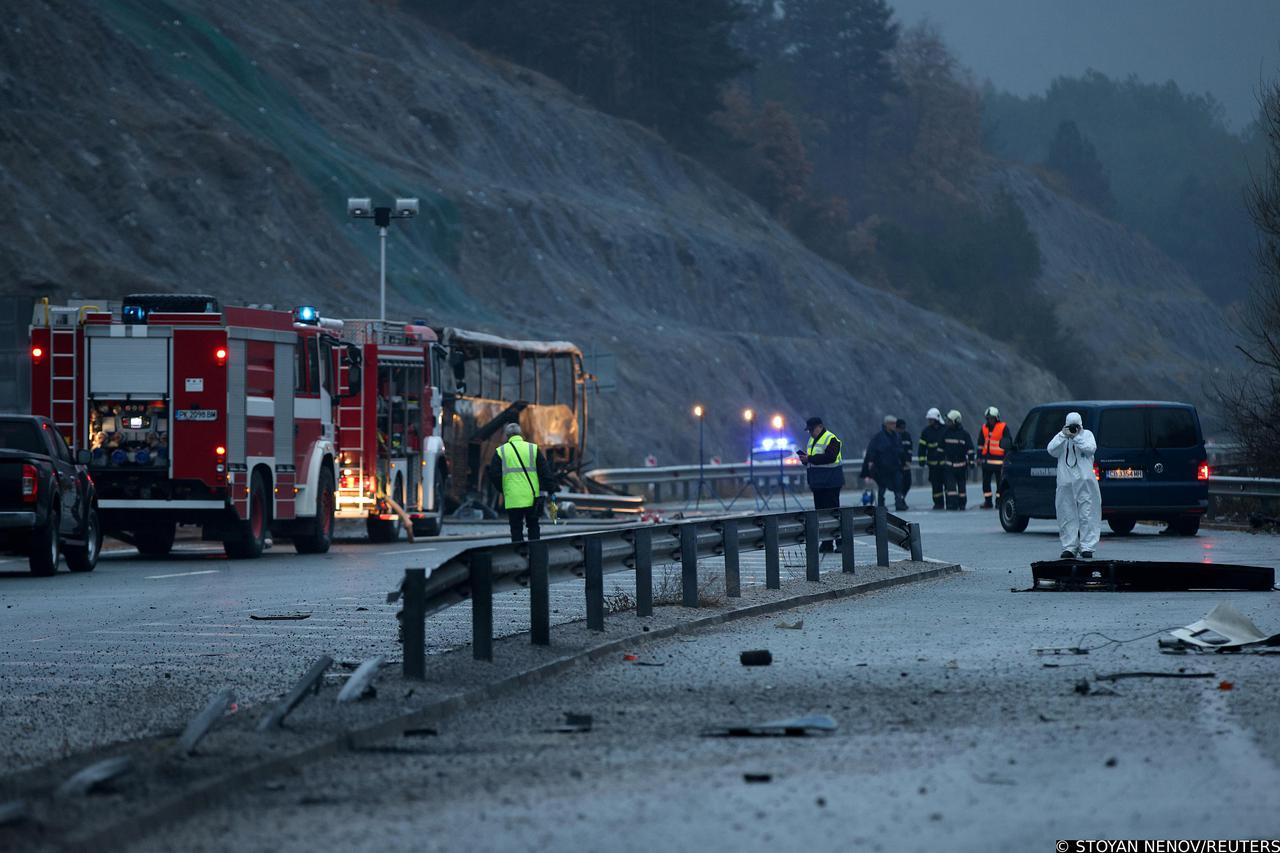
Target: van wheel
1121, 526
1187, 525
1009, 518
155, 540
46, 546
250, 538
84, 558
320, 536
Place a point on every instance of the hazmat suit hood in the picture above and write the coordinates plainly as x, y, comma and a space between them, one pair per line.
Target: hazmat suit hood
1074, 419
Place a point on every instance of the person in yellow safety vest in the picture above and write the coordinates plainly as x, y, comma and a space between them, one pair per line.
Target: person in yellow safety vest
993, 442
522, 474
824, 469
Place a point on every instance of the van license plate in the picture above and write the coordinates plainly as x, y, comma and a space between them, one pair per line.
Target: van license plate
1125, 473
195, 415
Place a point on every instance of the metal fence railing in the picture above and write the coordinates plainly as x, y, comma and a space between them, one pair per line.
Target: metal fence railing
479, 572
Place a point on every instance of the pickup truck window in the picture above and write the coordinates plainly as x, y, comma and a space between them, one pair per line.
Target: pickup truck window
60, 449
22, 435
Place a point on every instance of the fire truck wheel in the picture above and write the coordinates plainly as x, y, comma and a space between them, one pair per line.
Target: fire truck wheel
380, 531
250, 539
156, 540
434, 523
318, 538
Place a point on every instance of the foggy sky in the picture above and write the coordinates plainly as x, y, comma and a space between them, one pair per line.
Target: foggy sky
1219, 46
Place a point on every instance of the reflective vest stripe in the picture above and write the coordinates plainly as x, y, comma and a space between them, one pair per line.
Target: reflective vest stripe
819, 445
990, 444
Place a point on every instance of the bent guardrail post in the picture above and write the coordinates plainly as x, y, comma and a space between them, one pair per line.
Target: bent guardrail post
689, 564
847, 564
917, 549
539, 595
812, 541
644, 572
482, 606
201, 723
882, 535
360, 680
772, 574
308, 683
732, 573
593, 564
94, 775
414, 623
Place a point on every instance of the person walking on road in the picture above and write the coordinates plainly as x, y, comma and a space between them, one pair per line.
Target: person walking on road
907, 453
958, 450
522, 474
824, 469
931, 456
883, 462
993, 443
1078, 500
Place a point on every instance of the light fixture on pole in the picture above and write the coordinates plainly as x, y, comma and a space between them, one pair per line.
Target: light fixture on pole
749, 416
778, 424
362, 208
698, 413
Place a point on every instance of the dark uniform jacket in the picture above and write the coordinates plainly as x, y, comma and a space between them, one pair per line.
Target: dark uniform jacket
907, 448
957, 444
929, 450
884, 457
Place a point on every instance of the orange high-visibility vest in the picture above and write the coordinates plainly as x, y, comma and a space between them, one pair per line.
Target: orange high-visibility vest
990, 447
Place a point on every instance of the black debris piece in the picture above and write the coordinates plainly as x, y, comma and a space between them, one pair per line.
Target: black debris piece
757, 777
756, 657
421, 732
1148, 576
280, 617
1116, 676
574, 724
813, 724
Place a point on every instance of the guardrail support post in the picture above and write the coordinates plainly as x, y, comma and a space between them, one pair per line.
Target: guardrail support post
689, 563
882, 535
593, 563
772, 574
917, 550
811, 544
482, 607
846, 539
732, 576
539, 595
415, 623
644, 572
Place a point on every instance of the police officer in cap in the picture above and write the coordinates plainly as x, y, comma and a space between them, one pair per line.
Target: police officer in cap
823, 468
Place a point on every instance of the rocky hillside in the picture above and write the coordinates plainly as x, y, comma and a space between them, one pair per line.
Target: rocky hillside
184, 145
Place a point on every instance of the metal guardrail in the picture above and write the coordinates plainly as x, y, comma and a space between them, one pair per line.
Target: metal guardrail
1244, 487
479, 572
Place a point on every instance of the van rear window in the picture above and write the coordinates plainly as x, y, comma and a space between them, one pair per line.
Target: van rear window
1173, 428
1122, 428
22, 435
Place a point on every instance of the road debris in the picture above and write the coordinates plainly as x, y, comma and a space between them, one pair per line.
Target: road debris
756, 778
789, 727
95, 776
1226, 685
792, 626
1116, 676
1084, 688
756, 657
1067, 650
280, 617
574, 724
1147, 576
1224, 627
420, 732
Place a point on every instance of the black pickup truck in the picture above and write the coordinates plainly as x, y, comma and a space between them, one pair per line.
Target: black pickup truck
48, 507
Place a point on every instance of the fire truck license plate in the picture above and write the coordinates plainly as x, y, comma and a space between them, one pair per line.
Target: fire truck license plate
195, 415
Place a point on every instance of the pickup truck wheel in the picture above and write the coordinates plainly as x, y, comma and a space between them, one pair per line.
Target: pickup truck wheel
84, 558
320, 536
155, 540
250, 538
46, 546
1010, 520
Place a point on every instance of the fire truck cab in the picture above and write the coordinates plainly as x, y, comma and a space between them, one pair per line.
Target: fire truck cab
221, 417
392, 465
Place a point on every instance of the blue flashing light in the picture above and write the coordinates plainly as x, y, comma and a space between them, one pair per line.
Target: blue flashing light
134, 314
307, 314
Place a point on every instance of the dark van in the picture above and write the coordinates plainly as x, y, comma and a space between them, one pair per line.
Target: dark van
1151, 465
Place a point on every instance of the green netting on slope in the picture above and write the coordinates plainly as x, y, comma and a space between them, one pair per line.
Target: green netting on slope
192, 49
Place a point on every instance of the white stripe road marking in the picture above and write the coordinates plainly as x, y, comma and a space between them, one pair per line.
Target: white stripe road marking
415, 551
183, 574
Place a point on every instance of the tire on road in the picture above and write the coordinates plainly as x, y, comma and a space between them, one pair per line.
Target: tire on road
46, 545
1010, 520
433, 524
84, 558
156, 540
380, 531
319, 536
1122, 526
1186, 525
250, 537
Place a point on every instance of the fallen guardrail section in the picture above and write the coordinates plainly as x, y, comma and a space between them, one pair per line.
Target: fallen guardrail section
479, 572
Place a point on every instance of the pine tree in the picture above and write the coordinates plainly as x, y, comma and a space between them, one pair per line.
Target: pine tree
1073, 157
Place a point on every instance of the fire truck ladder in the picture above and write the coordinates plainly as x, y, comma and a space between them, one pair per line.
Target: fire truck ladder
350, 410
64, 358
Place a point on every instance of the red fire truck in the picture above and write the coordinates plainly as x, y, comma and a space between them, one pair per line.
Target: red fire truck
393, 469
222, 417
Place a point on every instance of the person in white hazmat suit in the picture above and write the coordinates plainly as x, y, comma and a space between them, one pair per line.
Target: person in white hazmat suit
1079, 500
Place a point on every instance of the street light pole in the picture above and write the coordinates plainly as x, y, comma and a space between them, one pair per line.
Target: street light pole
382, 274
782, 458
362, 208
697, 413
751, 454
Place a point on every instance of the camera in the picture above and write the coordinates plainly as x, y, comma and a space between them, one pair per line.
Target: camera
1073, 428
